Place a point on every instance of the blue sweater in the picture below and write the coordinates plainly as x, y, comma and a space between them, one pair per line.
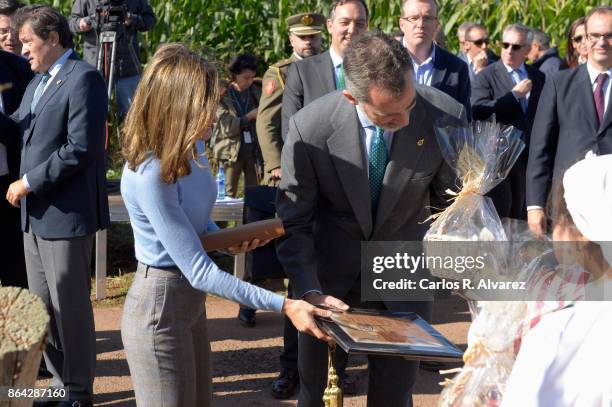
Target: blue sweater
167, 220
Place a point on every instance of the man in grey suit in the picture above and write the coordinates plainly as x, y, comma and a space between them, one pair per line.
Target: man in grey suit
359, 165
61, 191
318, 75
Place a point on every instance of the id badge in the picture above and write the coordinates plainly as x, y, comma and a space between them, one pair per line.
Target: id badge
247, 137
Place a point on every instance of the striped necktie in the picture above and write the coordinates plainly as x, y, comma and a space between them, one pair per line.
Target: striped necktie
377, 166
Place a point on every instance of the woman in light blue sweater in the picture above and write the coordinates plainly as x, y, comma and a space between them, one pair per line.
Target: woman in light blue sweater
169, 192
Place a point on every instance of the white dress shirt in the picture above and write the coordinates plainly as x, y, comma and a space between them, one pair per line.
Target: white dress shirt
593, 74
337, 63
423, 72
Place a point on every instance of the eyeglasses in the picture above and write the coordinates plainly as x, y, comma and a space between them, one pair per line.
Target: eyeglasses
578, 38
515, 47
479, 42
415, 19
595, 37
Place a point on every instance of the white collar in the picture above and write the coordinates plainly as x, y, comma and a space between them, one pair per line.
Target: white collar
336, 59
594, 73
297, 56
520, 68
61, 61
363, 118
432, 55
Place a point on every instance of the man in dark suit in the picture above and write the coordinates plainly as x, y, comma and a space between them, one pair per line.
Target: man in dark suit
318, 75
62, 191
575, 119
360, 165
510, 90
542, 55
15, 73
477, 54
433, 65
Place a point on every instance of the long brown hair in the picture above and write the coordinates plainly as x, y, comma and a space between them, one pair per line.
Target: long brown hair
173, 107
571, 54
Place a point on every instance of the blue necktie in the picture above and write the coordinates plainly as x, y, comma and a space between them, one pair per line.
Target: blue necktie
39, 90
377, 166
522, 101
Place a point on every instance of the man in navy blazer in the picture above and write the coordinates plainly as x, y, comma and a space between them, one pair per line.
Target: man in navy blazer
62, 191
14, 72
313, 77
576, 119
433, 65
510, 90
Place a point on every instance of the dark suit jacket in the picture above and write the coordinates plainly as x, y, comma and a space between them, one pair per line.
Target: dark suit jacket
549, 62
63, 153
492, 94
324, 197
451, 75
565, 129
16, 71
307, 80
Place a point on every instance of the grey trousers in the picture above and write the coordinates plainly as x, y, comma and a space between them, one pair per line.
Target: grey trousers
59, 273
165, 338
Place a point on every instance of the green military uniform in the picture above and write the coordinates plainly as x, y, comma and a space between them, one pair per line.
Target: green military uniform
273, 84
269, 115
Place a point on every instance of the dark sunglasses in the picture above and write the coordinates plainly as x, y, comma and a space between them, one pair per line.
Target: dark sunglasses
578, 38
515, 47
481, 41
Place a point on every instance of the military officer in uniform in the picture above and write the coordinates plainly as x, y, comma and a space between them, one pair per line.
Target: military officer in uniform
305, 36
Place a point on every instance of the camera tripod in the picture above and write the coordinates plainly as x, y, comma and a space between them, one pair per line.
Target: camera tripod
107, 54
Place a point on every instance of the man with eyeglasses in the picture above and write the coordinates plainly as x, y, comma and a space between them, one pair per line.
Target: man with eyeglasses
321, 74
433, 66
542, 55
575, 119
477, 54
509, 90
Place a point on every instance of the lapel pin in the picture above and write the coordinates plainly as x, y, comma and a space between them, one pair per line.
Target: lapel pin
59, 81
420, 142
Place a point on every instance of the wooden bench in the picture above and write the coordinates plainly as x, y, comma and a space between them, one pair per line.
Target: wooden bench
228, 210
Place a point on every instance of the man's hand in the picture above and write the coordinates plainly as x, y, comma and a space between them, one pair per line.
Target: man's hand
276, 174
481, 61
85, 25
522, 88
15, 192
128, 20
302, 315
536, 218
252, 115
326, 301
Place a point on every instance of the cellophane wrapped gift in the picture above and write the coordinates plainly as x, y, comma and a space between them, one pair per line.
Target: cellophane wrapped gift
498, 327
481, 154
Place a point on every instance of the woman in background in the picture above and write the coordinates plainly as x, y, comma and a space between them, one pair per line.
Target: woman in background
169, 192
576, 52
235, 139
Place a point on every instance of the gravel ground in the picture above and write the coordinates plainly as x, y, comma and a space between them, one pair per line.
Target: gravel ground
245, 360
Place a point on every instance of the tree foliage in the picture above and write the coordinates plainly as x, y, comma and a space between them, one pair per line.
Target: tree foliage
226, 28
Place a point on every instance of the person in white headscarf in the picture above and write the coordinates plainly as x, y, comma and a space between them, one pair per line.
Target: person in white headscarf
565, 360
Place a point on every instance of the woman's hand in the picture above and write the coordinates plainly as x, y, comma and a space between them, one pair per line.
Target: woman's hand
246, 246
302, 314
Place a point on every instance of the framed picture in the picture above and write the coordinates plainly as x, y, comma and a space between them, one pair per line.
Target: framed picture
382, 332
